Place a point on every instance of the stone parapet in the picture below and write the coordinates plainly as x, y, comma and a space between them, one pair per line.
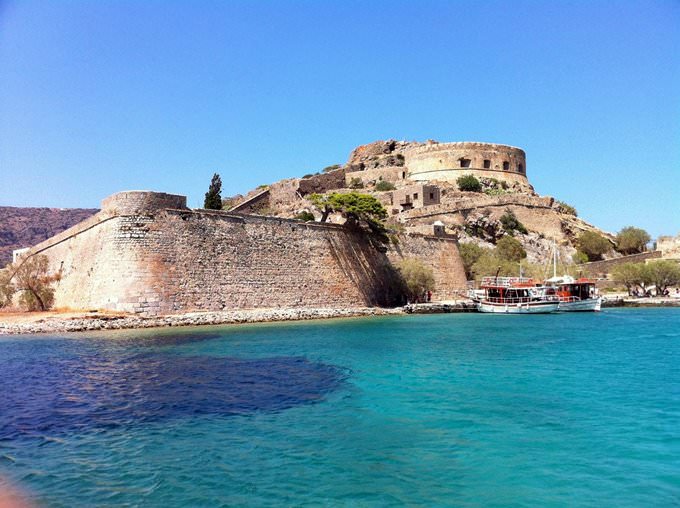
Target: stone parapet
140, 202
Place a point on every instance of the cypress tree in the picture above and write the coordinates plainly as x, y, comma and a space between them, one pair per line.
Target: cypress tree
213, 198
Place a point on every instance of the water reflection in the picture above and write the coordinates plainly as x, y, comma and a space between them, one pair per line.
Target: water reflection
57, 391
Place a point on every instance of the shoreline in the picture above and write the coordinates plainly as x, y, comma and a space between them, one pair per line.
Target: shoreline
67, 322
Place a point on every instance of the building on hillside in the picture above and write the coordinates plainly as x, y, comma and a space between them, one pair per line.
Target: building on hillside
16, 254
415, 196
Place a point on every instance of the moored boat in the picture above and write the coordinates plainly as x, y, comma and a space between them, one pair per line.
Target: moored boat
574, 295
513, 295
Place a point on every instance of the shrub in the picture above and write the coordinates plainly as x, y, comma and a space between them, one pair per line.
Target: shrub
382, 185
579, 257
565, 208
417, 277
356, 183
593, 245
511, 223
468, 183
328, 169
308, 175
31, 279
305, 216
470, 253
510, 249
631, 240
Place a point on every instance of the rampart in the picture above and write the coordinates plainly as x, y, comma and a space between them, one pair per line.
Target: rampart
147, 253
448, 161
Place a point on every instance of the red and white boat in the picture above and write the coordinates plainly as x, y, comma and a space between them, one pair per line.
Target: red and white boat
574, 295
514, 295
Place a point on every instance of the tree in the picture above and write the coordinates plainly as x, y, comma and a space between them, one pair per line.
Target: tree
469, 183
383, 186
355, 207
213, 198
417, 277
631, 240
305, 216
579, 257
628, 274
470, 253
661, 274
511, 223
6, 287
489, 263
30, 276
510, 249
593, 245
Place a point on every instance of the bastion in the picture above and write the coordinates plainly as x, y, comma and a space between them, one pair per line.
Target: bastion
449, 161
146, 252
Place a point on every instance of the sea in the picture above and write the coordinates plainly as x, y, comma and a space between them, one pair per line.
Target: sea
430, 410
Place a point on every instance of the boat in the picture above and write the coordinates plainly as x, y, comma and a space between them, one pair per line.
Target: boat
574, 295
514, 295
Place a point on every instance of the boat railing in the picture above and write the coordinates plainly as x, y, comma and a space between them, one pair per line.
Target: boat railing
520, 299
505, 282
569, 299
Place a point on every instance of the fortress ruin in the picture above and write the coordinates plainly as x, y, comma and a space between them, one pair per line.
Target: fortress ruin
146, 252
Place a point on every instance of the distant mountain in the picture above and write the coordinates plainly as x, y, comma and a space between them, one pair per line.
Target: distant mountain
25, 227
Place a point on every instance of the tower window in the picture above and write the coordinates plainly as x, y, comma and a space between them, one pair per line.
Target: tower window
464, 163
487, 163
520, 168
431, 195
506, 165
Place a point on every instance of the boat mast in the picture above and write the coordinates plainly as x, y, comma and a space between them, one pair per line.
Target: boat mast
554, 259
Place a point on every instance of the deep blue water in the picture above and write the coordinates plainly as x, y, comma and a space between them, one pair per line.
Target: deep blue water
457, 410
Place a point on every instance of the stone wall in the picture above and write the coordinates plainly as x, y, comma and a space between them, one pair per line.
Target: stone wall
170, 260
604, 267
449, 161
669, 246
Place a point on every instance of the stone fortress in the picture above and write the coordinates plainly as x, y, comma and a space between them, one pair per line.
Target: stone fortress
146, 252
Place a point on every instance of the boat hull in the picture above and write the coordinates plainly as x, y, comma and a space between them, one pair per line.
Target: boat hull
517, 308
589, 305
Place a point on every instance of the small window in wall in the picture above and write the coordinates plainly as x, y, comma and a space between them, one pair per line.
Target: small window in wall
520, 168
506, 165
464, 163
403, 174
415, 195
487, 163
431, 195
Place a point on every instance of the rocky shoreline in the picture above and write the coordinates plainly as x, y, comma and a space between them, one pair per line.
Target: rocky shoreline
96, 321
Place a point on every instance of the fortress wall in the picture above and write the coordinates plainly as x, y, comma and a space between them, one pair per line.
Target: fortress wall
442, 161
389, 174
171, 260
440, 254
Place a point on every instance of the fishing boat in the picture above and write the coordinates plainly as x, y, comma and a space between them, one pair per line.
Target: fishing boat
514, 295
574, 295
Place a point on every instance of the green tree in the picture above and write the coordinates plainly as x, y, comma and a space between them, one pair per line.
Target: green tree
631, 240
356, 183
511, 249
6, 287
355, 207
470, 253
490, 262
213, 198
628, 274
30, 277
469, 183
579, 257
661, 274
511, 223
593, 245
417, 277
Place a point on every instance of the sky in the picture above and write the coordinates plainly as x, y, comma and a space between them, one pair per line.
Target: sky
102, 96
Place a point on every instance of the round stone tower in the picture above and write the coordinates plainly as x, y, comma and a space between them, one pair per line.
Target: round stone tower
449, 161
141, 202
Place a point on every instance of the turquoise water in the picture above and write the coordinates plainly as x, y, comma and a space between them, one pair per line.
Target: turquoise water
439, 410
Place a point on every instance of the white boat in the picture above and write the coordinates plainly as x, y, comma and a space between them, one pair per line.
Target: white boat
513, 295
574, 295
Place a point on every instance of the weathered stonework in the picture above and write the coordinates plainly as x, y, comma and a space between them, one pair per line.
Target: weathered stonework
138, 255
669, 247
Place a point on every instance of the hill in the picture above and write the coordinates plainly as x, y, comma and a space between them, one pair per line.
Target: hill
24, 227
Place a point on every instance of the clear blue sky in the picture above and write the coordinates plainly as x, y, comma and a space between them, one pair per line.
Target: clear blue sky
102, 96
